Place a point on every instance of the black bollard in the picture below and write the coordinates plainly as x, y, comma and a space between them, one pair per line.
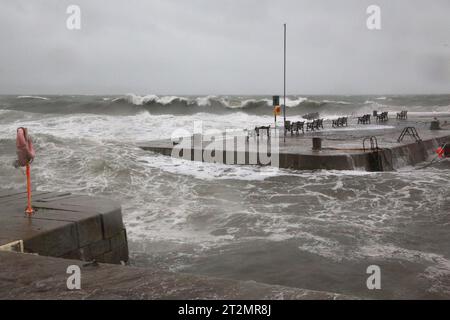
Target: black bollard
317, 143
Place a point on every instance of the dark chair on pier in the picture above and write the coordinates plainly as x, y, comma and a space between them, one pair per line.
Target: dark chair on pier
267, 128
382, 117
365, 119
403, 115
294, 127
314, 125
339, 122
344, 121
310, 125
300, 125
288, 126
319, 123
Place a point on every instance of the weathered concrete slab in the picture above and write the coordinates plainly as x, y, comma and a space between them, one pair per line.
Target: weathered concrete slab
37, 195
25, 276
342, 148
66, 225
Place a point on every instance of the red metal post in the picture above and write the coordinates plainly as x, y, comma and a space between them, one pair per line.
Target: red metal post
29, 210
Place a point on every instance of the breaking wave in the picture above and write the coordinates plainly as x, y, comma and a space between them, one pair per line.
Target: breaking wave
131, 104
227, 102
32, 97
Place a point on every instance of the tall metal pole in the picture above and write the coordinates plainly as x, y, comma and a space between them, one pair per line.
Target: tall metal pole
284, 98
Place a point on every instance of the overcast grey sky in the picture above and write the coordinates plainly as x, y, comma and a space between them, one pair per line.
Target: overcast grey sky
224, 47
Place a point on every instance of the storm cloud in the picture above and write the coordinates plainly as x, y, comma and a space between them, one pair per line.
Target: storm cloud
224, 47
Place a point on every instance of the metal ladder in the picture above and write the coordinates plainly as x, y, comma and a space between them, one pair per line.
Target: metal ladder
374, 157
373, 143
410, 131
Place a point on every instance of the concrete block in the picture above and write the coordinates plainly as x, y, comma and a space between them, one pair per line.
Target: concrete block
115, 256
89, 230
55, 242
112, 223
119, 240
20, 197
88, 224
85, 254
70, 226
19, 227
98, 248
73, 255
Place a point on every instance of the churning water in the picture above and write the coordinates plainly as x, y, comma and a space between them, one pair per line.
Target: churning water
314, 230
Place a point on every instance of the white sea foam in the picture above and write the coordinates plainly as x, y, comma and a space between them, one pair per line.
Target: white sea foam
210, 171
342, 216
207, 100
362, 127
337, 102
294, 102
32, 97
132, 129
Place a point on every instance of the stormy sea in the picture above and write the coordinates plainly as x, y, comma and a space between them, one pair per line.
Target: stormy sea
315, 230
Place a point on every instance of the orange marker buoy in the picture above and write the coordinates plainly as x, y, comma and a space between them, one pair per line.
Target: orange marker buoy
25, 156
277, 110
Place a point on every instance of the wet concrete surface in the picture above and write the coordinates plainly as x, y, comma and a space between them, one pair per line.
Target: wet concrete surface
64, 225
343, 148
347, 139
26, 276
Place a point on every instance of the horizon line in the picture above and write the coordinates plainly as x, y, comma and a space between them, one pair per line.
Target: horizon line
224, 94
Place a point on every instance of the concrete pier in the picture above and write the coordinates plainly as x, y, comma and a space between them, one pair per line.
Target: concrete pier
25, 276
341, 148
64, 225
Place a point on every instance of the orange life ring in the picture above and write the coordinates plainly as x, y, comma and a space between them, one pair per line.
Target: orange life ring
24, 147
443, 151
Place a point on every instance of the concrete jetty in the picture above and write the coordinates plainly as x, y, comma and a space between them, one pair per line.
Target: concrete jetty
346, 148
64, 225
26, 276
